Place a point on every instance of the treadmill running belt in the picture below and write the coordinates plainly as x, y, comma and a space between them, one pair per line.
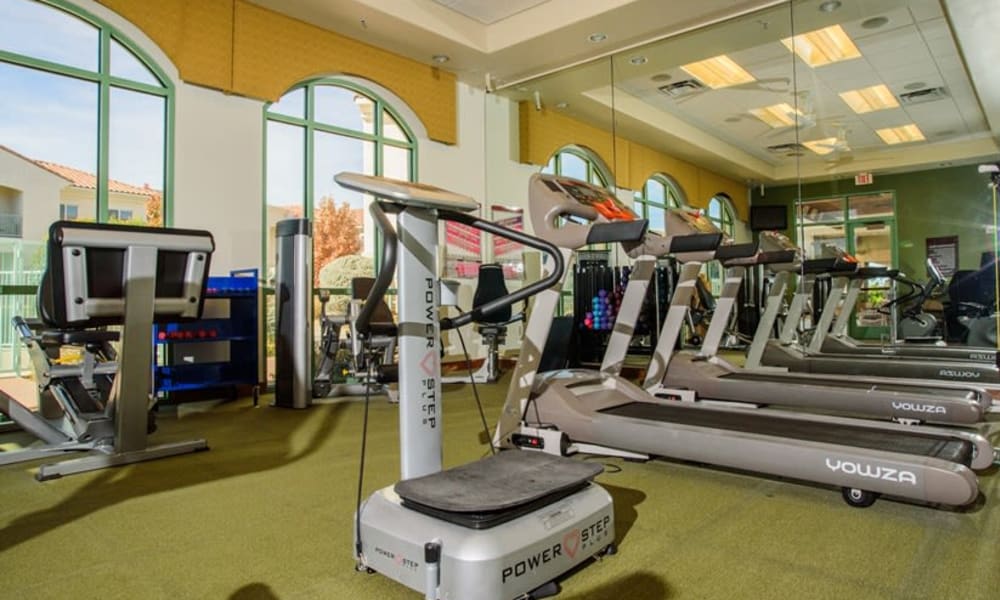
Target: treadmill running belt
915, 443
846, 382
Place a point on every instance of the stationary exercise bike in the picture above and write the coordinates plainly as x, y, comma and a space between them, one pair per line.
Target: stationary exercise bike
914, 323
347, 367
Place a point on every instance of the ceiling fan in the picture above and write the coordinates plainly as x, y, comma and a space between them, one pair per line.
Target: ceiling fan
802, 116
839, 150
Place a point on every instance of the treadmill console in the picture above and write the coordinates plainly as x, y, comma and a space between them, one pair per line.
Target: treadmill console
778, 252
603, 201
684, 221
571, 213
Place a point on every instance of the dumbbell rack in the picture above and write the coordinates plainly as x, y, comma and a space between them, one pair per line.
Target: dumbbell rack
221, 350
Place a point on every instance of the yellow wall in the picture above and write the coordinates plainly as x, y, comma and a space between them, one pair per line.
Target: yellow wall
241, 48
544, 132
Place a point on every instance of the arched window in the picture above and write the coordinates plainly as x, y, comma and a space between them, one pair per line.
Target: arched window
659, 194
316, 130
720, 212
86, 121
579, 163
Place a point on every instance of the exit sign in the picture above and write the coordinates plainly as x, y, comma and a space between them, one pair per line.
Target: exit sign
863, 179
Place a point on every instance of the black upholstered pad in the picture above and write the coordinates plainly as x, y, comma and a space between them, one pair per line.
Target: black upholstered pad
490, 286
382, 322
500, 482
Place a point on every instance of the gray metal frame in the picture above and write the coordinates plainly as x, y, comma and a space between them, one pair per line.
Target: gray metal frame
711, 376
567, 406
838, 340
124, 423
889, 368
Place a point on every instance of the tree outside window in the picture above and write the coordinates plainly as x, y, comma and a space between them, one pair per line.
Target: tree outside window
314, 131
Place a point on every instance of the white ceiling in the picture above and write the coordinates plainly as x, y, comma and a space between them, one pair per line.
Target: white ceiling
488, 12
524, 46
534, 36
915, 48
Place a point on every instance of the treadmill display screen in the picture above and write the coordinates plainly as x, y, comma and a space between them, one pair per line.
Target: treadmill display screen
601, 200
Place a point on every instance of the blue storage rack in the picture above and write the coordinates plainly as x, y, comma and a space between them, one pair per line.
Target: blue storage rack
219, 351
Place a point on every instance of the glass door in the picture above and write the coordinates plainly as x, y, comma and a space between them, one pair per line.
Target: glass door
871, 242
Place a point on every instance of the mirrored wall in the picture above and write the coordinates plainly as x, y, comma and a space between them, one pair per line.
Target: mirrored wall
850, 126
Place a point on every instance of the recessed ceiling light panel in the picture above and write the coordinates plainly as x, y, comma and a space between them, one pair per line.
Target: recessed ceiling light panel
823, 46
870, 99
778, 115
823, 146
718, 72
900, 135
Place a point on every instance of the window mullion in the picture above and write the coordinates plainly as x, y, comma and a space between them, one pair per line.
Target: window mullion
310, 133
103, 127
167, 198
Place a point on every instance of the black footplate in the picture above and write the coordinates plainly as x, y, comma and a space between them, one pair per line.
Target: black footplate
496, 489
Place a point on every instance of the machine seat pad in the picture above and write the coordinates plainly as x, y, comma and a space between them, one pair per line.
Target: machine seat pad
500, 482
61, 337
494, 330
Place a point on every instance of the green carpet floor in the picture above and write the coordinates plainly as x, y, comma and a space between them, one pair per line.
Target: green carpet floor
266, 514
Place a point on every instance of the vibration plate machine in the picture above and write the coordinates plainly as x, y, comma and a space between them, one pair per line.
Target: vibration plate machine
576, 410
504, 527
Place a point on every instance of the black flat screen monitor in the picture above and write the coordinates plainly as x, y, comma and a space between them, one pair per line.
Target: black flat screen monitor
768, 218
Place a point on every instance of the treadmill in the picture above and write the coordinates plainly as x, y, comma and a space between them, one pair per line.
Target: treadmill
704, 374
786, 353
837, 340
575, 410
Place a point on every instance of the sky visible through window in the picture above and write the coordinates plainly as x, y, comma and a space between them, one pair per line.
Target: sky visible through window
333, 153
51, 117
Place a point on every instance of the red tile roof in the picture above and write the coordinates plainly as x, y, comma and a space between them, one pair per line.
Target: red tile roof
87, 180
84, 179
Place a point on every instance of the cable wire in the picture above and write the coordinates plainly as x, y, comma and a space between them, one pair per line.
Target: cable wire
366, 350
475, 390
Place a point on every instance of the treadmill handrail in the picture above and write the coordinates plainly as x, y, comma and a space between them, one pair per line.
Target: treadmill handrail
477, 313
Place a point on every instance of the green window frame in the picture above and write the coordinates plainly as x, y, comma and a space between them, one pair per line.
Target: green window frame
842, 216
596, 173
659, 194
720, 212
311, 125
106, 82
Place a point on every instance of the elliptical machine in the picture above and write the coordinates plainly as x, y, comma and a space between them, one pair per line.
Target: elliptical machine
914, 324
499, 528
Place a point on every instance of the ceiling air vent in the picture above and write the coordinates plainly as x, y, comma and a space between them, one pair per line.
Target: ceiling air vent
790, 149
924, 95
682, 88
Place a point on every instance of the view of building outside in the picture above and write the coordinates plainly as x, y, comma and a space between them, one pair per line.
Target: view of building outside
81, 138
